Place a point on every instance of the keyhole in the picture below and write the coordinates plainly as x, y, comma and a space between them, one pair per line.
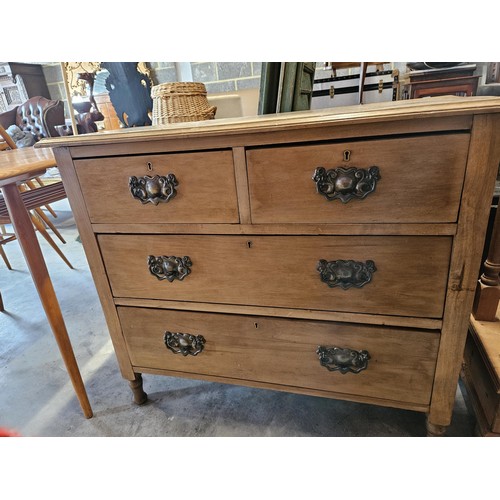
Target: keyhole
347, 155
150, 166
249, 244
256, 325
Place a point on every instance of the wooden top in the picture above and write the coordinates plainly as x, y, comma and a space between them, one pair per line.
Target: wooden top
364, 113
24, 162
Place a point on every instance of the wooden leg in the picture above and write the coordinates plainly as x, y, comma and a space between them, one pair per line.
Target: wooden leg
434, 430
140, 397
28, 242
49, 224
4, 257
41, 228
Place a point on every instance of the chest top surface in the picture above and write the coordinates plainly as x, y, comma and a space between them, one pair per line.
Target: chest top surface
366, 114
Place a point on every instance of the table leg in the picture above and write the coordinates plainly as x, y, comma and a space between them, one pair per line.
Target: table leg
34, 258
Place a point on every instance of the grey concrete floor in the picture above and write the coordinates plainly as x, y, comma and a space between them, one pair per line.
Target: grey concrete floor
37, 399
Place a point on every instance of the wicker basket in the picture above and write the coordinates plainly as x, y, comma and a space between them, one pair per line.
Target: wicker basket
180, 102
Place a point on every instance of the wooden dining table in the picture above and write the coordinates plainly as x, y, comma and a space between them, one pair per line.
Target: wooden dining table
16, 166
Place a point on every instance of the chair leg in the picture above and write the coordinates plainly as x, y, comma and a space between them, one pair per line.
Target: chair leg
49, 223
41, 228
5, 259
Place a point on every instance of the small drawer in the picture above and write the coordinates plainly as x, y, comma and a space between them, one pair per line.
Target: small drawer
415, 179
393, 275
169, 188
371, 361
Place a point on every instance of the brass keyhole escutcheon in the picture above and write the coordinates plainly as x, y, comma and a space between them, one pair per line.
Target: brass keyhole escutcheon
347, 155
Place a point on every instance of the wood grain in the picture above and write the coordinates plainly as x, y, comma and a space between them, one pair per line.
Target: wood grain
283, 352
420, 181
482, 168
280, 271
24, 163
411, 110
92, 253
283, 312
206, 191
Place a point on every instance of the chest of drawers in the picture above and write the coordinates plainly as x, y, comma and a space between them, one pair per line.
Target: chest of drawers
332, 253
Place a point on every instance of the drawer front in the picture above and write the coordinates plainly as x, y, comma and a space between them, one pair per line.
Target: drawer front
203, 190
416, 179
398, 364
397, 275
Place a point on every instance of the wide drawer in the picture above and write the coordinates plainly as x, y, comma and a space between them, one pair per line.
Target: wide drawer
417, 179
398, 364
204, 187
406, 276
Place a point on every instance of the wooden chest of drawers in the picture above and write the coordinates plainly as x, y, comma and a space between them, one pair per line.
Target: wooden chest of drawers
332, 253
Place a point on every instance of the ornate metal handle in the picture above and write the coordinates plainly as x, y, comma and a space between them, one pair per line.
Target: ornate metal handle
342, 359
346, 273
346, 183
169, 267
184, 343
159, 188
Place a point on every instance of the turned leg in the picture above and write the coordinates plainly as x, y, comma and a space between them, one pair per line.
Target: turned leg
488, 287
434, 430
140, 397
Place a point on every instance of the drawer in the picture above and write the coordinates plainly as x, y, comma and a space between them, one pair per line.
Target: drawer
419, 180
281, 351
407, 274
205, 191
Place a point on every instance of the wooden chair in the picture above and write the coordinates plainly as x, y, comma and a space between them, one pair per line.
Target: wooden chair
34, 198
6, 140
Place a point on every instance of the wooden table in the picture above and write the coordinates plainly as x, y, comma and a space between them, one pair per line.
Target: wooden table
16, 166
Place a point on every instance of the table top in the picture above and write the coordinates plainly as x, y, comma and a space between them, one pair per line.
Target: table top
24, 162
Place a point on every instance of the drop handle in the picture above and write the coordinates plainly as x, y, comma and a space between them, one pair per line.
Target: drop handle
184, 343
342, 359
346, 184
169, 267
345, 273
155, 190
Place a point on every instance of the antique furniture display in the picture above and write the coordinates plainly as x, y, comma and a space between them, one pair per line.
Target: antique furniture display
481, 368
18, 165
481, 373
331, 253
457, 80
340, 83
19, 82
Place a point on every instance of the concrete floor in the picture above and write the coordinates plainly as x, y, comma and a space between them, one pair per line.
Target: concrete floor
37, 399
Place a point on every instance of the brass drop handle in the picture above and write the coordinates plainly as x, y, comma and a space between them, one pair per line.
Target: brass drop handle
169, 267
346, 273
157, 189
346, 184
342, 359
184, 343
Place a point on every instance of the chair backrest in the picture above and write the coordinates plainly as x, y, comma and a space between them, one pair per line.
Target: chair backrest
39, 116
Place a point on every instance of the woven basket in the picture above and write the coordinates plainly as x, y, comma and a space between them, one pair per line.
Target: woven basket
180, 102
